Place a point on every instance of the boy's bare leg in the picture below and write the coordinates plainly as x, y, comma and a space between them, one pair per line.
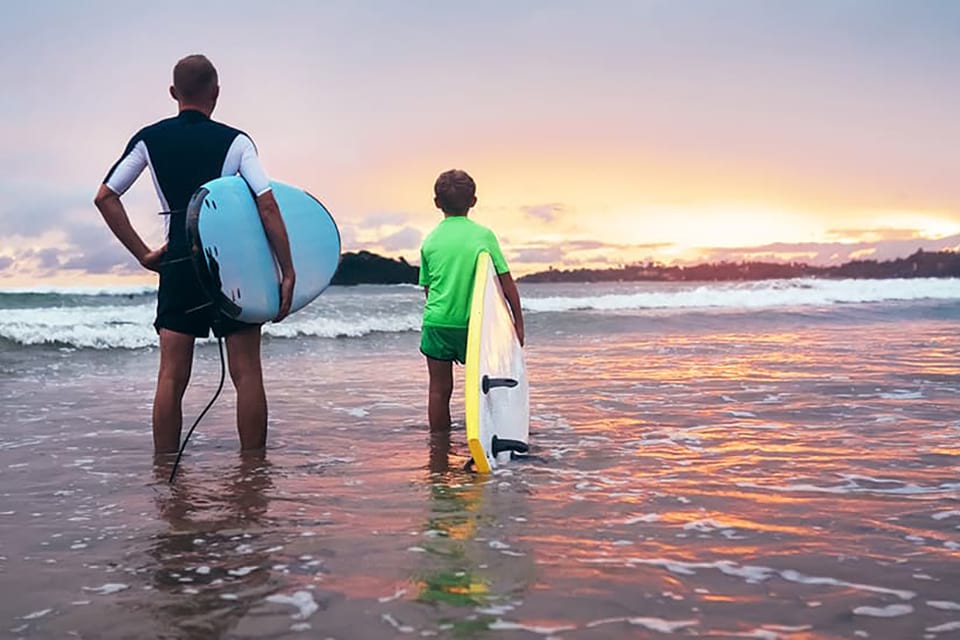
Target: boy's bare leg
441, 388
243, 356
176, 360
440, 451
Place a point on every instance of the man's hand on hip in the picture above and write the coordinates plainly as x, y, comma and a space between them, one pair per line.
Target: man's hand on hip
152, 259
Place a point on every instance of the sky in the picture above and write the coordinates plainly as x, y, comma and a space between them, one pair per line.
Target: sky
599, 133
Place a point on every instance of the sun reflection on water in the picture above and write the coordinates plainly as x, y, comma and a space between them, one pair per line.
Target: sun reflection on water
778, 483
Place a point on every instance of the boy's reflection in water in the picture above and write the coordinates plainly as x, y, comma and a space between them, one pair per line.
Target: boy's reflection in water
459, 569
449, 574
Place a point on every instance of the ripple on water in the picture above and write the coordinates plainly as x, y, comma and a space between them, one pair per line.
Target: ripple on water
765, 481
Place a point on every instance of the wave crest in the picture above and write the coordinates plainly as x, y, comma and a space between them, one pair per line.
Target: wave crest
757, 295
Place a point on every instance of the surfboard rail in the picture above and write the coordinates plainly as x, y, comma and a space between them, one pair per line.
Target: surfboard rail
496, 393
471, 378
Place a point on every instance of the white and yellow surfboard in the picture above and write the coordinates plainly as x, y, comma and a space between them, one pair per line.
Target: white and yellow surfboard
497, 401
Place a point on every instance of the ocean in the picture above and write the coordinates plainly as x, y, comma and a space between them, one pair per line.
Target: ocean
767, 460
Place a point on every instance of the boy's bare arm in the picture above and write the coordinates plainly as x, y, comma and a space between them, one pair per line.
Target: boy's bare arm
512, 295
116, 218
277, 236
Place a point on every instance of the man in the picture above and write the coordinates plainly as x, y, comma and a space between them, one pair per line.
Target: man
183, 153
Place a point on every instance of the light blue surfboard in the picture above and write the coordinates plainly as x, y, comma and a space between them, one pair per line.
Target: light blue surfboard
233, 257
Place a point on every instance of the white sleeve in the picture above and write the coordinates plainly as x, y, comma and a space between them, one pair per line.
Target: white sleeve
126, 171
250, 168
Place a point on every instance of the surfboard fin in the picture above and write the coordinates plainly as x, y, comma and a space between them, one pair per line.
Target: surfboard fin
492, 383
503, 444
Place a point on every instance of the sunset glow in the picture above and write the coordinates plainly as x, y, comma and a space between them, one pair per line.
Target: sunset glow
644, 131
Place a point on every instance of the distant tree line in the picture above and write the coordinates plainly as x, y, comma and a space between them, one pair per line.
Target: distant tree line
922, 264
364, 267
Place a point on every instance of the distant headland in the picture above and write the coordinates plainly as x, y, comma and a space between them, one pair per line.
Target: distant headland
364, 267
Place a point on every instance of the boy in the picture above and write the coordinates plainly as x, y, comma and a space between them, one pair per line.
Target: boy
448, 257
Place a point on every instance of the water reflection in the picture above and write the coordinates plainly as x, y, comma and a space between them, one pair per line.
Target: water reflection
453, 576
237, 498
473, 570
734, 483
211, 564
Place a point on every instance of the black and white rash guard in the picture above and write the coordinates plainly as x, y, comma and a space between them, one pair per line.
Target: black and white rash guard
183, 153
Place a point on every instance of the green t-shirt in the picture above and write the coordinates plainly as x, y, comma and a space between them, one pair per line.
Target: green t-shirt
448, 257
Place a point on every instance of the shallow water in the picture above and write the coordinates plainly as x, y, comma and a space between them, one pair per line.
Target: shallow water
779, 475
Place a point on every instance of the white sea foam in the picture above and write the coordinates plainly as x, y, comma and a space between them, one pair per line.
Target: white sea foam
648, 517
344, 327
115, 290
706, 525
505, 625
108, 588
302, 600
107, 322
889, 611
36, 614
796, 576
99, 327
773, 631
750, 573
942, 515
901, 394
765, 294
131, 326
653, 624
851, 486
761, 634
396, 594
393, 622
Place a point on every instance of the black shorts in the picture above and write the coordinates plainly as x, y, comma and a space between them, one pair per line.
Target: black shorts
183, 306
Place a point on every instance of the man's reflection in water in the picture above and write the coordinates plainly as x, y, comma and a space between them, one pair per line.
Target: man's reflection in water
235, 499
211, 563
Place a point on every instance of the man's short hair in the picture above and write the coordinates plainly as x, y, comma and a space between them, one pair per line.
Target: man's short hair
195, 78
455, 191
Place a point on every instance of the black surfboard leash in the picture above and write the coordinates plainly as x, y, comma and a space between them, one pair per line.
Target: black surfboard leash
183, 446
197, 250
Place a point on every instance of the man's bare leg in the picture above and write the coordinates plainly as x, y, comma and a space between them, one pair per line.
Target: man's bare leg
243, 354
176, 361
441, 388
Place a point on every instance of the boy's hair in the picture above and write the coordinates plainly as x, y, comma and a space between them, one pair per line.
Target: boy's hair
195, 78
455, 191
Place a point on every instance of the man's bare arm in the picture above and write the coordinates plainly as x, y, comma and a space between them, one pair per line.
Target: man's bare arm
512, 295
116, 218
277, 236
